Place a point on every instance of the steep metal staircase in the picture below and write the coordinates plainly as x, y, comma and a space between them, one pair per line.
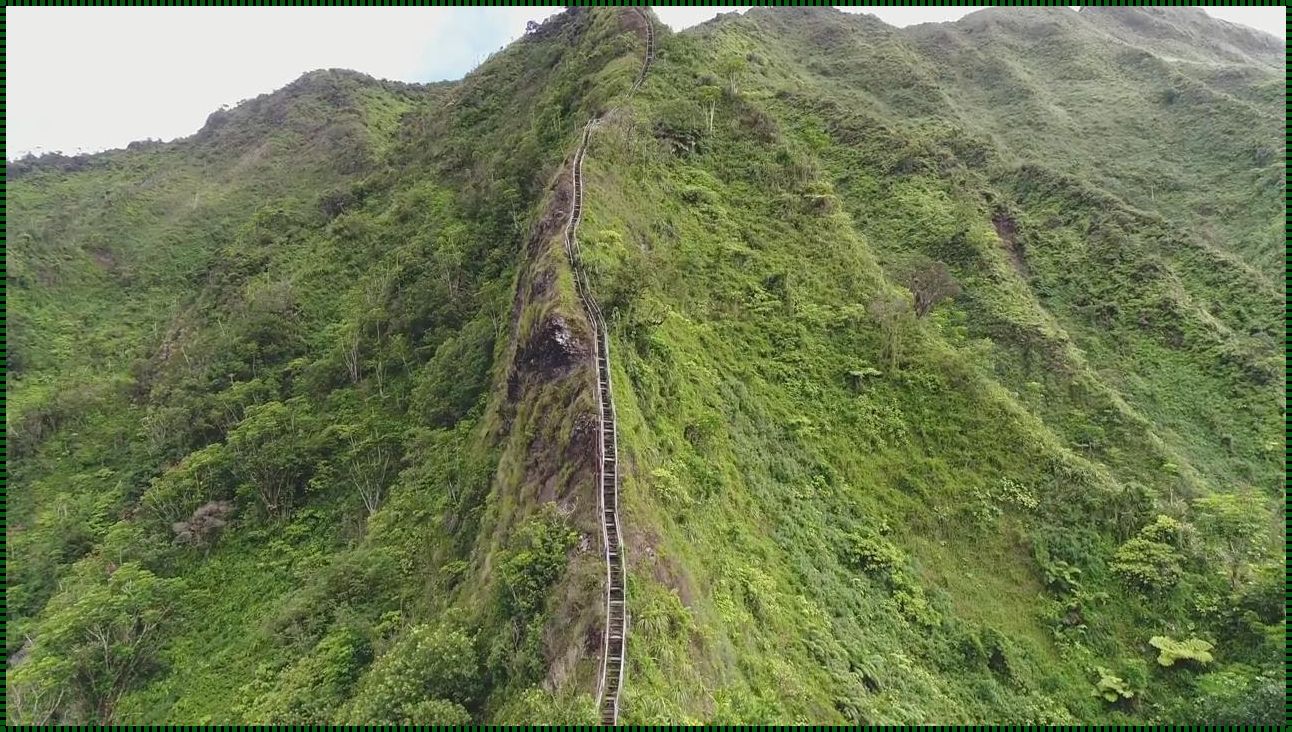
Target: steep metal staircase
612, 662
616, 630
650, 50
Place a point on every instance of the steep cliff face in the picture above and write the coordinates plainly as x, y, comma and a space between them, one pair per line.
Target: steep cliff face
946, 367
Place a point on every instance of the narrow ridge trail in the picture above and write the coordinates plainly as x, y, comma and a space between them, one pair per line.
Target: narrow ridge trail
616, 630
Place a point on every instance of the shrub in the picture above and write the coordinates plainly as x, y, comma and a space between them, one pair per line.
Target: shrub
873, 555
313, 687
680, 125
1151, 560
1150, 565
430, 675
1164, 529
1112, 688
991, 501
1238, 695
878, 557
536, 561
96, 640
274, 447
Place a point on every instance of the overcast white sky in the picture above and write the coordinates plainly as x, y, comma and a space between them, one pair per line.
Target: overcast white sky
88, 79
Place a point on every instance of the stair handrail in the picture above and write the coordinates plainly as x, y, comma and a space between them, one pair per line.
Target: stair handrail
602, 351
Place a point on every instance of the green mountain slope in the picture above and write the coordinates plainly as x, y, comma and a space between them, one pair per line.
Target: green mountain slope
946, 365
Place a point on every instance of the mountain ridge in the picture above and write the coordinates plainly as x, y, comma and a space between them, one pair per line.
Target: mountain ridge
915, 424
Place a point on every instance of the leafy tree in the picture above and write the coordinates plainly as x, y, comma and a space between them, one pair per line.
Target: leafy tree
931, 283
1151, 565
38, 690
273, 448
731, 66
710, 95
1232, 526
372, 452
893, 316
1152, 560
1166, 530
97, 639
430, 676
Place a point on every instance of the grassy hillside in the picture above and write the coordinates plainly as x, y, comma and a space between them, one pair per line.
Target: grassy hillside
929, 411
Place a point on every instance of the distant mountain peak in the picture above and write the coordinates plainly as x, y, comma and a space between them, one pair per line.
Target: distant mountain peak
1189, 34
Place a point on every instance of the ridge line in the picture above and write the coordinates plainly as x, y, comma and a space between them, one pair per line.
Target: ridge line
614, 641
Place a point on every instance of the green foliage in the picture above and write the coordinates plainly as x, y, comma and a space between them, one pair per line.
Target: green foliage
895, 319
203, 475
274, 448
1112, 688
879, 558
452, 381
991, 502
1164, 530
370, 458
1234, 529
430, 676
731, 66
873, 554
313, 687
330, 307
1151, 560
536, 559
536, 706
97, 639
1150, 565
1171, 650
1238, 695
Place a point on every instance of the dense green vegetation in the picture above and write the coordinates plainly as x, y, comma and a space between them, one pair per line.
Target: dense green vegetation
930, 411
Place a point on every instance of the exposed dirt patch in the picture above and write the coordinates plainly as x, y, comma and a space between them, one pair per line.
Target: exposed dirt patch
554, 349
582, 448
103, 259
668, 573
1007, 230
555, 217
641, 553
540, 236
552, 352
537, 284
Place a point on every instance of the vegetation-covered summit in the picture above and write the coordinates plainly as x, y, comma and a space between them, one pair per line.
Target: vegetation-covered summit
947, 365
